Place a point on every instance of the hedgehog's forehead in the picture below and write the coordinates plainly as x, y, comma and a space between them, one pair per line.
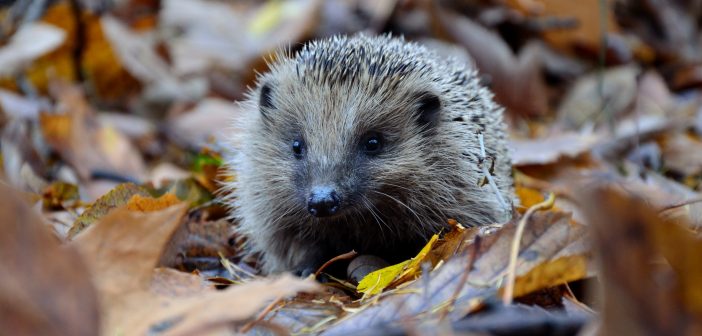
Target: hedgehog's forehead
350, 106
371, 62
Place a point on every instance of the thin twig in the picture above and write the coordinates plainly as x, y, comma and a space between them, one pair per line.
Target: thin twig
514, 251
347, 255
464, 277
680, 204
260, 316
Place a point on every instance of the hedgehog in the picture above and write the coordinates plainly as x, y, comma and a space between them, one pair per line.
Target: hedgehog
365, 143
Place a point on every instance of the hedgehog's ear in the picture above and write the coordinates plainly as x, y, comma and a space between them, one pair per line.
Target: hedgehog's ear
265, 99
428, 107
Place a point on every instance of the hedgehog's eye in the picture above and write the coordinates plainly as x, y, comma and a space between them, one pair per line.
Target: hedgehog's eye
372, 143
298, 147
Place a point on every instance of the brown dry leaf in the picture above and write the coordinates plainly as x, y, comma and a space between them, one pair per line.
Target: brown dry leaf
205, 43
629, 235
102, 66
682, 153
562, 172
212, 310
662, 191
551, 148
347, 17
668, 26
653, 96
122, 251
138, 55
84, 52
45, 288
166, 172
123, 247
691, 213
136, 52
115, 198
585, 33
27, 44
201, 243
210, 119
205, 40
22, 163
15, 106
584, 105
548, 237
60, 63
557, 271
511, 77
453, 242
86, 144
173, 283
638, 128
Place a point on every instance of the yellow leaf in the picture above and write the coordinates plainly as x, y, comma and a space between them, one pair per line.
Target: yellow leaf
528, 196
552, 273
414, 267
147, 203
267, 18
376, 282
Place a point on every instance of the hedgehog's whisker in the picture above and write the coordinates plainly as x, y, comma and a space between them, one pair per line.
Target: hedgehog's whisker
398, 186
369, 205
287, 212
404, 205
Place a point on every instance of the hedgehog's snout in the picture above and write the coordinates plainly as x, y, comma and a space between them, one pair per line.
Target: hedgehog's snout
324, 201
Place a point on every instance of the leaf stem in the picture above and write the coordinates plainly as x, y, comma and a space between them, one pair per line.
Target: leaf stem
514, 251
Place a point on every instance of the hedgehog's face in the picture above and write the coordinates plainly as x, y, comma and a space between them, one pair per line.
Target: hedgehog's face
345, 154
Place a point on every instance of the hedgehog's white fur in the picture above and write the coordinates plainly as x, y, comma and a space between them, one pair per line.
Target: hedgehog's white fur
332, 92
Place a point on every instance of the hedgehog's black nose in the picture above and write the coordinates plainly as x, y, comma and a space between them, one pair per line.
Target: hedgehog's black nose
323, 201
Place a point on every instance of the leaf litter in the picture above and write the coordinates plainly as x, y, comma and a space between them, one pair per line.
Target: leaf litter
113, 121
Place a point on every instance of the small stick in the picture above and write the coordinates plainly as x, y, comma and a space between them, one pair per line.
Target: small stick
514, 251
680, 204
260, 316
347, 255
464, 277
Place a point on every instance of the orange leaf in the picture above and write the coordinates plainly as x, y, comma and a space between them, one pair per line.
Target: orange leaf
147, 203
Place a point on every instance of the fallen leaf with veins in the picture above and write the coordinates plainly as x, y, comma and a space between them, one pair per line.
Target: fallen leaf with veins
550, 149
115, 198
122, 250
45, 288
630, 235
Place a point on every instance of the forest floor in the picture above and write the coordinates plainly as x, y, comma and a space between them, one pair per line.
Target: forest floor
113, 115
